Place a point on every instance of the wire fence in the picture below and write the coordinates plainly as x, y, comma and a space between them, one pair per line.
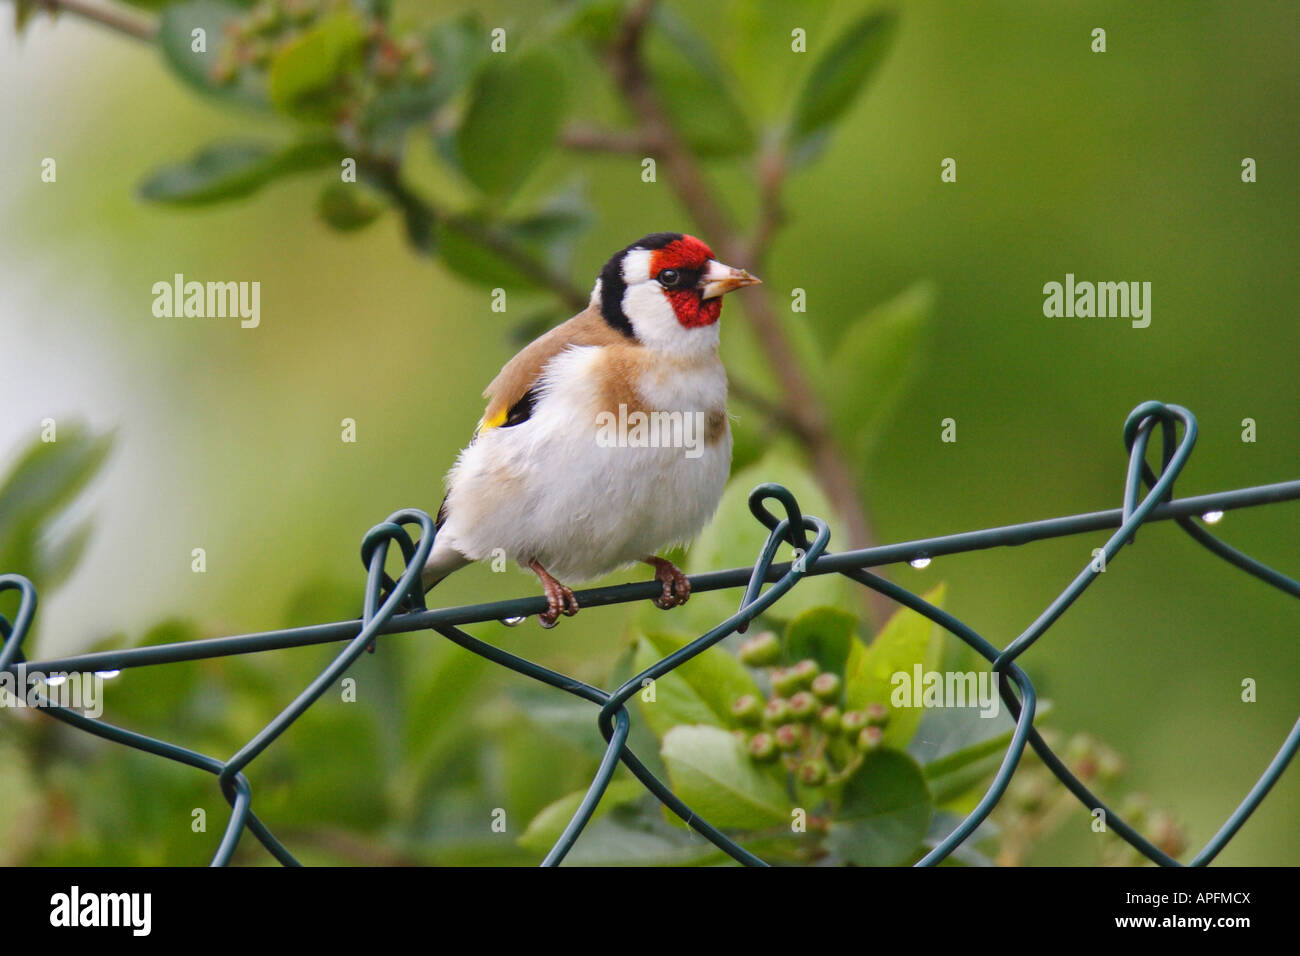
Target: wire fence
403, 610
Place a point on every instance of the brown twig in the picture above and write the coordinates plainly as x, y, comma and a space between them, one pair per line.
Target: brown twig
117, 20
385, 173
804, 412
524, 262
594, 139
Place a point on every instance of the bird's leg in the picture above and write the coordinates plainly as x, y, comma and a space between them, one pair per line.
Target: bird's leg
559, 597
677, 586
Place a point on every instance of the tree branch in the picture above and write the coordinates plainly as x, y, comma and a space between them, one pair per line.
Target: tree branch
519, 258
804, 412
117, 20
386, 175
593, 139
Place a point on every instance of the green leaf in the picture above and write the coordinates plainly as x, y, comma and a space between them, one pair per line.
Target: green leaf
823, 634
875, 362
49, 475
701, 691
676, 702
216, 173
695, 88
306, 78
958, 748
457, 49
38, 489
549, 824
60, 556
734, 538
839, 76
559, 717
710, 771
176, 28
593, 21
884, 812
231, 170
347, 207
907, 640
512, 120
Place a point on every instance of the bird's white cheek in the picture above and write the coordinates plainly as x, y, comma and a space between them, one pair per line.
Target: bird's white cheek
655, 323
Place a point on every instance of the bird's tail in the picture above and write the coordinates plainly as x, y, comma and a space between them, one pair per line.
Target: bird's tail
443, 560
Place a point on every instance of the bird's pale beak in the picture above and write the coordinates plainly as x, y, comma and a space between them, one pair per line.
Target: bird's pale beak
719, 279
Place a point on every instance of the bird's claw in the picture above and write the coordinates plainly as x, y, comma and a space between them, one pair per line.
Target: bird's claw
560, 600
677, 586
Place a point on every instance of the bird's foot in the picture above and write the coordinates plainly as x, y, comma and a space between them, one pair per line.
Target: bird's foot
559, 598
677, 586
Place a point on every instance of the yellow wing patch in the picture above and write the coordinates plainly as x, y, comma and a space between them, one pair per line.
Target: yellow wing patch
496, 421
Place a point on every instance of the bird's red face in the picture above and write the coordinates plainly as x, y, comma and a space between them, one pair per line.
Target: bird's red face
693, 281
665, 290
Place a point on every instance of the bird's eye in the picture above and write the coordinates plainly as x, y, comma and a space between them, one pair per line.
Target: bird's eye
668, 278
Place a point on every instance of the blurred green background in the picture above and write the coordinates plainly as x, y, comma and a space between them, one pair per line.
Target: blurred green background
1117, 166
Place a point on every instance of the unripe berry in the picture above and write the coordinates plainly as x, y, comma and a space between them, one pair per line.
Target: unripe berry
803, 706
1110, 765
1079, 748
748, 710
805, 671
1134, 809
826, 686
870, 738
812, 773
1166, 834
853, 721
762, 747
264, 19
788, 736
776, 712
761, 650
877, 715
828, 718
785, 681
1029, 792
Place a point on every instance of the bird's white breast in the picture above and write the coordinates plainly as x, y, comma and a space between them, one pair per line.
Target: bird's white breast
585, 494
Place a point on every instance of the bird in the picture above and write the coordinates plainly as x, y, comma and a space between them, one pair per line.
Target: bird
606, 439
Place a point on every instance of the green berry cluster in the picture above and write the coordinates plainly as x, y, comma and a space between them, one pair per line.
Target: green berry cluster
1037, 804
803, 724
270, 26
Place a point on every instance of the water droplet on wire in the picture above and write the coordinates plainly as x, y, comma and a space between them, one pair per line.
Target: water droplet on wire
107, 675
920, 563
1212, 517
513, 621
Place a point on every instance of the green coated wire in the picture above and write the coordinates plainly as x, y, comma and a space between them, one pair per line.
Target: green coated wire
384, 599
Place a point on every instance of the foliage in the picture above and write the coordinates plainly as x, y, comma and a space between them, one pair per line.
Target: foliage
790, 744
350, 89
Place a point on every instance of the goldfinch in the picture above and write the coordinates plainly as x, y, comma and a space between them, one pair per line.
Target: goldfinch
606, 439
